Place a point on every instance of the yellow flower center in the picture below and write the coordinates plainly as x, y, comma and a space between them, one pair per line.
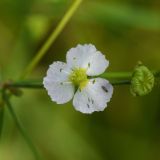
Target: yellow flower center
79, 77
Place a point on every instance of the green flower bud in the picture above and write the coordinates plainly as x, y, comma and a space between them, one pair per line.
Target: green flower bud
142, 81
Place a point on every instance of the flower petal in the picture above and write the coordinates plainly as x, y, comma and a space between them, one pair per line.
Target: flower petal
87, 56
58, 72
94, 97
97, 64
59, 92
56, 83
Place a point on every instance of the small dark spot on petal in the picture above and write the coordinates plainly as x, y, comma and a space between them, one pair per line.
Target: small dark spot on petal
93, 81
74, 58
88, 106
92, 101
89, 65
61, 83
60, 70
88, 99
104, 88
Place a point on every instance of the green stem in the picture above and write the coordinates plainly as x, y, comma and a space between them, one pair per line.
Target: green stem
1, 114
156, 74
121, 79
121, 82
117, 75
35, 85
43, 50
20, 127
115, 78
39, 85
1, 121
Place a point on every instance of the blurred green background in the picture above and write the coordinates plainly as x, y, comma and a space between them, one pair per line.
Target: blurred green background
126, 31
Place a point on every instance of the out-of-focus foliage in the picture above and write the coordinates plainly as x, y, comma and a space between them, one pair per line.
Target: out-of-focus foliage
126, 31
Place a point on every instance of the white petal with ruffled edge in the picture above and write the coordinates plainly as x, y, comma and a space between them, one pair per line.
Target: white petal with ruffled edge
94, 96
87, 57
56, 82
58, 71
97, 64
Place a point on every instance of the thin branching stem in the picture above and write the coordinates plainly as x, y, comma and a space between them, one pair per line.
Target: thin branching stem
51, 39
35, 85
39, 85
1, 114
1, 121
117, 75
20, 127
115, 78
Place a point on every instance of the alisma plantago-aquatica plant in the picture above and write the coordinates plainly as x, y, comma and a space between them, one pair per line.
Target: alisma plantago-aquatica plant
82, 78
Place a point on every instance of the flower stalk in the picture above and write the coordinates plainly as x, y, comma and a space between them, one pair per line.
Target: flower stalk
20, 126
51, 39
39, 85
116, 78
1, 120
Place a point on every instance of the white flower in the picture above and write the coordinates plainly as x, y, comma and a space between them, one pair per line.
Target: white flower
65, 81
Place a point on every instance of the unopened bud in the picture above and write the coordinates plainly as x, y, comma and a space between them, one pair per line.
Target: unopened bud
142, 81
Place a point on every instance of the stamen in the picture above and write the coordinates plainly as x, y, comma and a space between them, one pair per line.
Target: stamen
79, 77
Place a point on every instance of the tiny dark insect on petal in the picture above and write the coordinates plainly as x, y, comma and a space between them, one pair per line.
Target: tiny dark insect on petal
104, 88
92, 101
93, 81
88, 106
60, 69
